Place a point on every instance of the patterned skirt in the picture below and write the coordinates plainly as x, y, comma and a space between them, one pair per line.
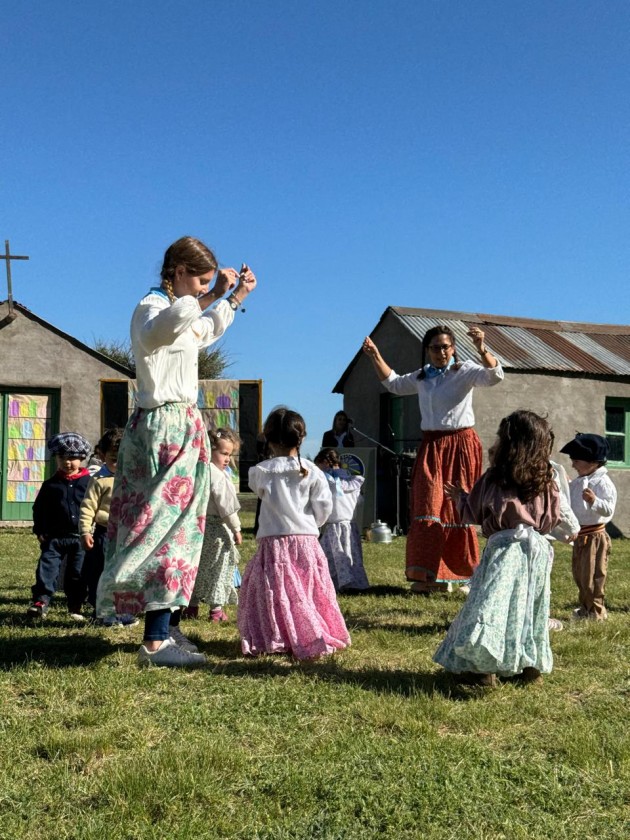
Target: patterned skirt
287, 601
341, 543
157, 515
218, 566
503, 626
440, 548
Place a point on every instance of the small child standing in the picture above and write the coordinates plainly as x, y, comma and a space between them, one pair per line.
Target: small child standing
287, 601
503, 626
94, 518
593, 499
341, 540
56, 526
218, 566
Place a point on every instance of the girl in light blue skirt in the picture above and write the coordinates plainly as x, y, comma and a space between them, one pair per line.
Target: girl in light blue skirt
502, 628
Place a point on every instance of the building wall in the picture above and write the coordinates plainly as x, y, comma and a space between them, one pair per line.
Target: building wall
33, 356
572, 403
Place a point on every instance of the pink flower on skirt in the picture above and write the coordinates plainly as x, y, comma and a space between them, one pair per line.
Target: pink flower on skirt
135, 512
175, 573
168, 454
163, 551
129, 602
178, 491
201, 524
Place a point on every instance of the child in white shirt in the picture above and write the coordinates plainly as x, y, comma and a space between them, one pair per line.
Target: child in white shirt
340, 539
287, 600
593, 499
219, 555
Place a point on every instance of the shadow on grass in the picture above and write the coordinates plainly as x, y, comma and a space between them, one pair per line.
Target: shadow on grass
395, 681
407, 629
57, 651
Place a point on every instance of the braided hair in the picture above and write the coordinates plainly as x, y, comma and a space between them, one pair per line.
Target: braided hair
196, 258
287, 429
329, 457
441, 329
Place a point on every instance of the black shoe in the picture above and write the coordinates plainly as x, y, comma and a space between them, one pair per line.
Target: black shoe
38, 609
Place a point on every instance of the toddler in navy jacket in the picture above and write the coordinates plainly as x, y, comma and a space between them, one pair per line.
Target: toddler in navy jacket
56, 525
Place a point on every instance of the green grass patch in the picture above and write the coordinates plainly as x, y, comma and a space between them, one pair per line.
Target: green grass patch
376, 741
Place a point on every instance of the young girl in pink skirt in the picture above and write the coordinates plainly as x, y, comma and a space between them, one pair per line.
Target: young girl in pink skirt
287, 600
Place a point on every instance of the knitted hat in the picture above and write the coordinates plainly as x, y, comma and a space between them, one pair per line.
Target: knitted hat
587, 447
69, 445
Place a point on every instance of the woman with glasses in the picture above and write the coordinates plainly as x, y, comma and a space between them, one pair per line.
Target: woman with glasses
161, 490
440, 549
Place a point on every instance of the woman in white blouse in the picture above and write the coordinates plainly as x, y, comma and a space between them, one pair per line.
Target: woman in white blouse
440, 549
161, 490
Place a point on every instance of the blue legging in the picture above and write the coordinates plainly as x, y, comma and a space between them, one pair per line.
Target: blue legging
157, 623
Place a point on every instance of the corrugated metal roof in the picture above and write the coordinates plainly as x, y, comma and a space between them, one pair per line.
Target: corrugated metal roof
526, 343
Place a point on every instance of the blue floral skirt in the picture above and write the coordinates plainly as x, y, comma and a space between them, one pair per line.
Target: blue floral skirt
503, 626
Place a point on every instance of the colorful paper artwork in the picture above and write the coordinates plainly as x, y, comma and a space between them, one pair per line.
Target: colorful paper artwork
218, 401
28, 429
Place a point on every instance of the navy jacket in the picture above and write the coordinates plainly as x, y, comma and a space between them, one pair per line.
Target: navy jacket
56, 506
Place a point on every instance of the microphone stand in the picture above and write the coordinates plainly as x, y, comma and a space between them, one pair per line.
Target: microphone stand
397, 531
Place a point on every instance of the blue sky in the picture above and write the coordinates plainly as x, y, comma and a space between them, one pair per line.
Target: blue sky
458, 155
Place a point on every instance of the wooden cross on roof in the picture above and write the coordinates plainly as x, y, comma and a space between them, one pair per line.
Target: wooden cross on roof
8, 256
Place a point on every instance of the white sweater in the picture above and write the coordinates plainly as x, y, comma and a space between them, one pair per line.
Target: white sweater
446, 400
166, 339
291, 503
223, 501
603, 508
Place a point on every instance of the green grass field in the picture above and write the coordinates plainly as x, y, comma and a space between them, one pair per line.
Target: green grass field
374, 742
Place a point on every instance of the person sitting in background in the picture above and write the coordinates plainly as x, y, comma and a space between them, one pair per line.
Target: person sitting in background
341, 433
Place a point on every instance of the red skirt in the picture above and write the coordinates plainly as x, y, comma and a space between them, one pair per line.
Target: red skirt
439, 547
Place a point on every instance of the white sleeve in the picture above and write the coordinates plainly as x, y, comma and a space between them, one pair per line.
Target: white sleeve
484, 377
255, 479
568, 524
213, 323
156, 326
406, 384
605, 498
320, 499
223, 496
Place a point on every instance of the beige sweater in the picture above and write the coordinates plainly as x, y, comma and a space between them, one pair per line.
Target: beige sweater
96, 503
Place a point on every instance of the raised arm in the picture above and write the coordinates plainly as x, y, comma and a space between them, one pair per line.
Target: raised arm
381, 367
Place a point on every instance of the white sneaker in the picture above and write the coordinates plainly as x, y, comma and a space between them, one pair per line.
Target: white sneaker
170, 655
75, 616
182, 641
464, 589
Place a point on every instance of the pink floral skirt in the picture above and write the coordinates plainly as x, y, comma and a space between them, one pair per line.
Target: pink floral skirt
288, 602
157, 514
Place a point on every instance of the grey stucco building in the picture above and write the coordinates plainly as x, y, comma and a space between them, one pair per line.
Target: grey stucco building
577, 374
49, 382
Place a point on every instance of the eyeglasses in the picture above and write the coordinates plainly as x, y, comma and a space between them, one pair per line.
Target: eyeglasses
440, 348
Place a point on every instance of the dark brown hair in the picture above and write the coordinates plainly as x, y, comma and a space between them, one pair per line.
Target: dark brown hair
441, 329
196, 258
329, 457
110, 442
520, 457
286, 428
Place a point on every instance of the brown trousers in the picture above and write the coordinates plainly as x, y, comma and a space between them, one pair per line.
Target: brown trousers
590, 564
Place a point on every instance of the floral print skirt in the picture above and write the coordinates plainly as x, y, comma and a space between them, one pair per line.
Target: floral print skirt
218, 567
157, 514
341, 543
287, 600
503, 626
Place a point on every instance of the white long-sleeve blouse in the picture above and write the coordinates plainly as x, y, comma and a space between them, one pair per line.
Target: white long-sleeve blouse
445, 400
166, 339
603, 508
291, 503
